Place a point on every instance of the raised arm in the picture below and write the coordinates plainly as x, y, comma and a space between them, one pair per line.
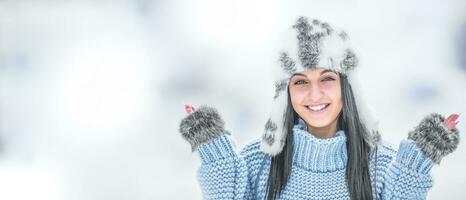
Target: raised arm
408, 176
223, 174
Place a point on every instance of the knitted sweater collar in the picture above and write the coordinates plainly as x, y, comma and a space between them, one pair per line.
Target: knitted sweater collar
318, 155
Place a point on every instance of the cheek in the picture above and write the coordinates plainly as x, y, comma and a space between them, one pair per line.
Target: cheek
336, 98
296, 98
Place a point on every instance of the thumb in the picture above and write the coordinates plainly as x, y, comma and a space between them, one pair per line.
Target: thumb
189, 108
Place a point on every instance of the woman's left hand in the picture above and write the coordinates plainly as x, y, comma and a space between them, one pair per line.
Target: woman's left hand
450, 122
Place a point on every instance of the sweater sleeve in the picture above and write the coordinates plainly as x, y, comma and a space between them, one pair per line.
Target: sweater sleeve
226, 175
408, 174
223, 173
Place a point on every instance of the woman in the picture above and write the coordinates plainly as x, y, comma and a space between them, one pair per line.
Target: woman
320, 141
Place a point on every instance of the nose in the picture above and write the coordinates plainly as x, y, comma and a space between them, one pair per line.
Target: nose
315, 93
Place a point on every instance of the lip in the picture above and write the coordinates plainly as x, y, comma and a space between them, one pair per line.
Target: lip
316, 104
319, 111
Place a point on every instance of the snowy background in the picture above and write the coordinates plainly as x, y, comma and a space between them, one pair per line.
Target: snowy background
92, 91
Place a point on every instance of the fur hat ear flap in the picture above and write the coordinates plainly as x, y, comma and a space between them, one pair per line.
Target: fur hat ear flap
274, 135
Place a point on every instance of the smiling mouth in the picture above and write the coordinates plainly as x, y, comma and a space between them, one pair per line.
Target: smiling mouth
318, 108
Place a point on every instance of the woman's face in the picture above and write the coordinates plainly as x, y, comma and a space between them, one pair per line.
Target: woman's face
316, 97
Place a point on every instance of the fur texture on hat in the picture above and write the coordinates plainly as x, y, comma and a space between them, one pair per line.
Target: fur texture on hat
315, 44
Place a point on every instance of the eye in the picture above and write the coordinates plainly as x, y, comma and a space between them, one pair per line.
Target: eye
299, 81
328, 78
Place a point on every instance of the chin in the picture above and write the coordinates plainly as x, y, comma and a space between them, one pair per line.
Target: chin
318, 124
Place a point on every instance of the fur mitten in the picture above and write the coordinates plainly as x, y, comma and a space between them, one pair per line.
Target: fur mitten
201, 126
435, 140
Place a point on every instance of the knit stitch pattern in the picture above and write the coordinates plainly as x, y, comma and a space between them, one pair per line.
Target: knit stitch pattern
318, 169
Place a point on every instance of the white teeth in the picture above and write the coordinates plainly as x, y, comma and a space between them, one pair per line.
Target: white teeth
318, 107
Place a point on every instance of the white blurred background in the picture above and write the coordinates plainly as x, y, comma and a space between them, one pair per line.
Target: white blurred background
92, 91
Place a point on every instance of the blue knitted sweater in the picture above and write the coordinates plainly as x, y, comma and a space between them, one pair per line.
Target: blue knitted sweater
318, 169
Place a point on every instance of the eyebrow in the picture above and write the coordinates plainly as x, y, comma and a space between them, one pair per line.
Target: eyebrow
300, 74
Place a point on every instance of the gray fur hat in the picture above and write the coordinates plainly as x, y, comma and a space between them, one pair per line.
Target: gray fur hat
314, 44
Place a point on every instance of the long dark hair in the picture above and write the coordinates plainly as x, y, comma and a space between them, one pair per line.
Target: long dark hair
357, 169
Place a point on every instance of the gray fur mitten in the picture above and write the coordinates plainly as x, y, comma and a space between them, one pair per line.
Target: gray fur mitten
435, 140
202, 125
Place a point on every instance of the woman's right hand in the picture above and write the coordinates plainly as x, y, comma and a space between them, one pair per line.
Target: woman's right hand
201, 125
189, 108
